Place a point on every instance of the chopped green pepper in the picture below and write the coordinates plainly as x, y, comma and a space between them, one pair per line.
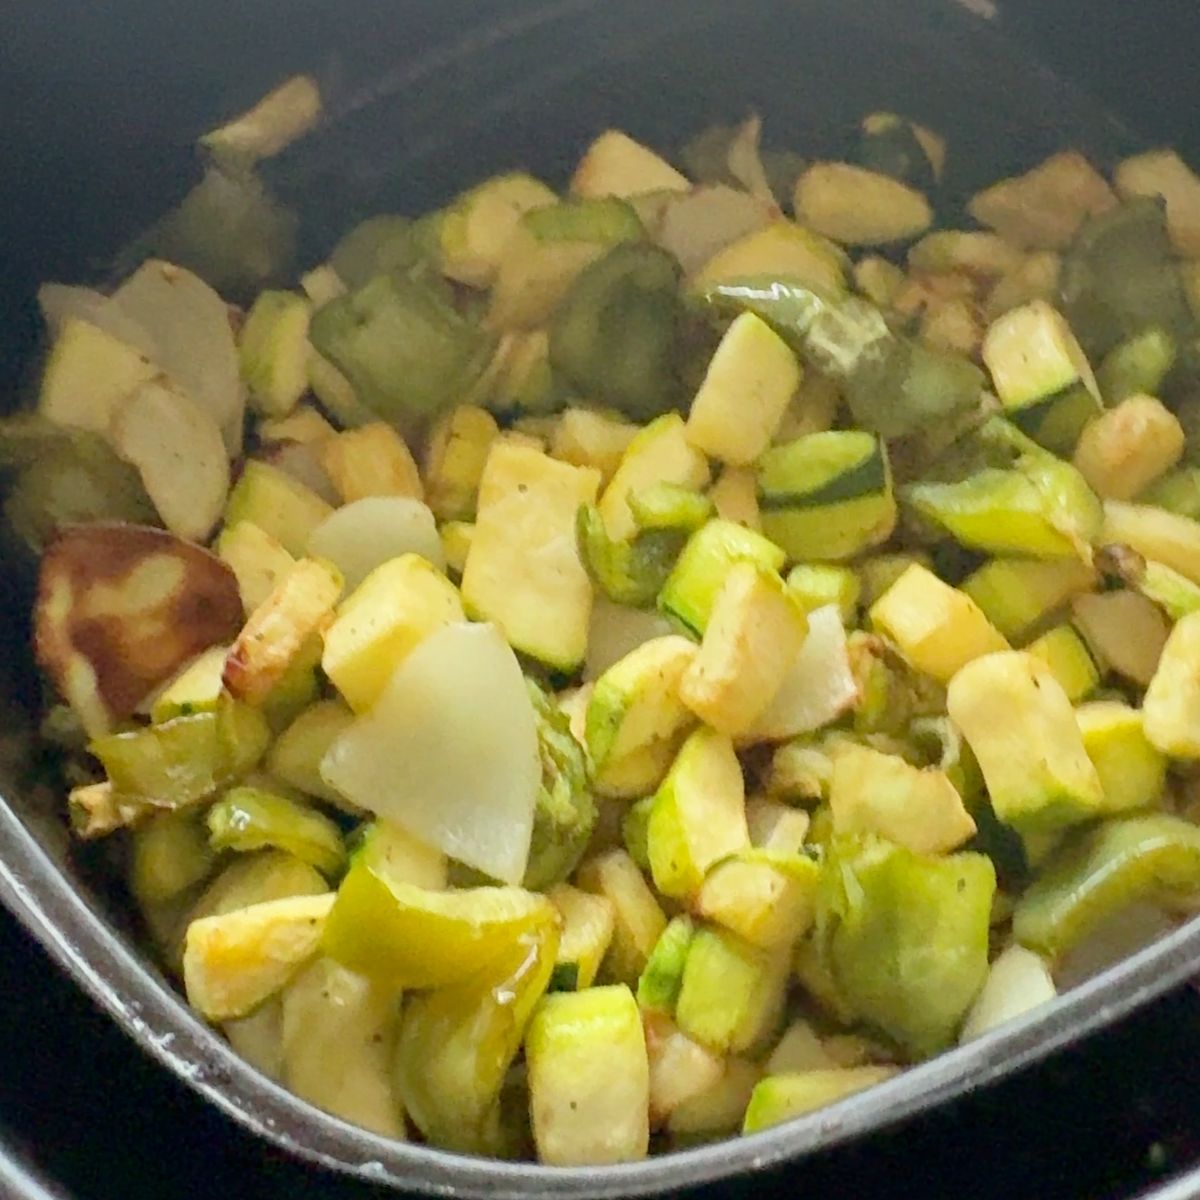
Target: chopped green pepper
906, 937
614, 336
1102, 870
408, 353
1119, 278
457, 1043
187, 758
565, 812
249, 818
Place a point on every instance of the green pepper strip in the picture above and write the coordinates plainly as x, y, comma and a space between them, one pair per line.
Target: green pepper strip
1101, 870
893, 384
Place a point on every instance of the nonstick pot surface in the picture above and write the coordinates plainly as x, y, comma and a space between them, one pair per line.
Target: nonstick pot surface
503, 84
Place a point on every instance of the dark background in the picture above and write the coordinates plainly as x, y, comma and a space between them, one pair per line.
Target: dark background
1105, 1121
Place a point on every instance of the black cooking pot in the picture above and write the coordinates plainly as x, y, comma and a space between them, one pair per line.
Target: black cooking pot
424, 99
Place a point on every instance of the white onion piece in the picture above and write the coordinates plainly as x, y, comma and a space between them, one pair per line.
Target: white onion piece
60, 302
745, 161
177, 449
616, 630
363, 535
819, 687
450, 751
190, 338
1016, 982
697, 225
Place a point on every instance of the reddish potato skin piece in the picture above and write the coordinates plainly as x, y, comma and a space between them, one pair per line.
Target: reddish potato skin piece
133, 604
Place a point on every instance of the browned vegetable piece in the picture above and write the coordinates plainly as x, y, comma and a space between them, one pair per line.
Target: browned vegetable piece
120, 608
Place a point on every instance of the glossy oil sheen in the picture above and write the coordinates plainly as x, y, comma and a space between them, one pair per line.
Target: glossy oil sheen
428, 98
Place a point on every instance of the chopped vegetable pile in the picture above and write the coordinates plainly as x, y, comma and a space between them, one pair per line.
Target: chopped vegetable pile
595, 672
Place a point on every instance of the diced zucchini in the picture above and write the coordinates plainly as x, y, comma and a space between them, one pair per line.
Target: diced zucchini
257, 559
394, 854
273, 350
295, 756
197, 688
638, 919
1035, 278
382, 621
88, 375
1018, 595
248, 818
1171, 708
258, 1038
322, 284
1022, 729
975, 253
827, 495
1125, 631
635, 831
1132, 771
278, 630
680, 1068
918, 808
906, 937
1043, 509
589, 1078
766, 896
780, 250
591, 439
548, 250
523, 570
815, 585
456, 538
1045, 207
699, 814
858, 207
939, 629
735, 497
717, 1110
732, 995
1127, 448
615, 165
333, 1016
691, 590
750, 380
1069, 660
474, 229
1041, 374
587, 932
780, 1098
1155, 534
416, 938
880, 571
170, 855
776, 827
234, 961
635, 704
1163, 173
659, 983
669, 508
279, 505
1138, 365
878, 279
660, 453
372, 460
455, 459
754, 633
